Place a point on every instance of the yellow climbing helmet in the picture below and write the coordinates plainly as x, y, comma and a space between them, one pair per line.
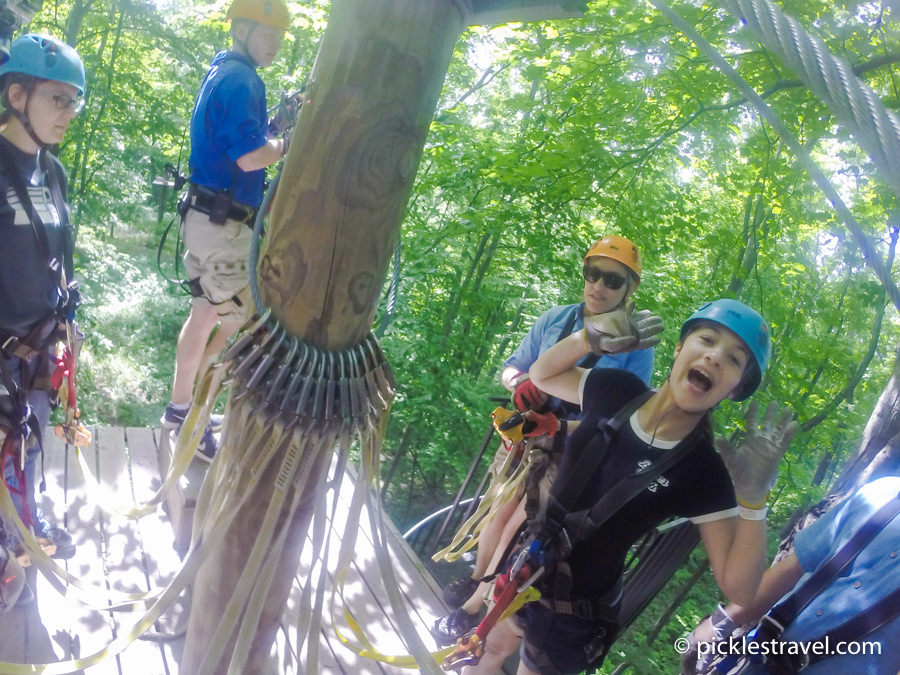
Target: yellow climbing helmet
269, 12
617, 248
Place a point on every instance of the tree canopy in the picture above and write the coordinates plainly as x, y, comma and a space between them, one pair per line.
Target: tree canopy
547, 136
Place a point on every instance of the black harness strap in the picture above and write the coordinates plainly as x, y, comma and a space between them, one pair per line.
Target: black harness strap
864, 623
775, 622
574, 476
51, 171
583, 524
18, 183
786, 611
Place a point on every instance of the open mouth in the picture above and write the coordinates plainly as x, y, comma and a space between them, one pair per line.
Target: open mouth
699, 380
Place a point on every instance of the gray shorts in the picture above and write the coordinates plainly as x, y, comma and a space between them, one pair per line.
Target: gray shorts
218, 257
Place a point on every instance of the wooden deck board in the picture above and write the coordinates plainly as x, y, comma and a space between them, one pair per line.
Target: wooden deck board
160, 558
124, 548
137, 555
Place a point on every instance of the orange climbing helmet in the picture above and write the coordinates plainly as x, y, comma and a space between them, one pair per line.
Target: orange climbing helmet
617, 248
269, 12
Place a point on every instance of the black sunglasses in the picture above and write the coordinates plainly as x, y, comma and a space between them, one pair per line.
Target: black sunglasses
611, 280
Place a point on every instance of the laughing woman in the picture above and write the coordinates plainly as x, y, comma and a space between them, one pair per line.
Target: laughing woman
722, 353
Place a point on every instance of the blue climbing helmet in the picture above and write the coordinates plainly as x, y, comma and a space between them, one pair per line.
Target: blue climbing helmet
47, 58
749, 326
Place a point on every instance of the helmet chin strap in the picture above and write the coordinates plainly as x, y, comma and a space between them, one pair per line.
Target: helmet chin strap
24, 121
244, 45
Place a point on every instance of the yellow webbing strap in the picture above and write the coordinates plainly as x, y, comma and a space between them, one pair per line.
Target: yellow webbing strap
293, 476
498, 494
101, 599
309, 614
95, 597
194, 559
421, 658
208, 389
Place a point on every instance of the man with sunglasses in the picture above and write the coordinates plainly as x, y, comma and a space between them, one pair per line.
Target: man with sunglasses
612, 272
42, 84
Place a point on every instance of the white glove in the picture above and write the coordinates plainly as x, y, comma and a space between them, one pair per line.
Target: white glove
754, 466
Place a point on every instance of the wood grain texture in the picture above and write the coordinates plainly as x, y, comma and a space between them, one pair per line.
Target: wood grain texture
352, 162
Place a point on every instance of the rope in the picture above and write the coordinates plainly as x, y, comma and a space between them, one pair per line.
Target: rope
256, 240
392, 292
868, 250
853, 102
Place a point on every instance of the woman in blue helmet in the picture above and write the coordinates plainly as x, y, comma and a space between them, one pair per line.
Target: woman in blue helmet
722, 353
41, 85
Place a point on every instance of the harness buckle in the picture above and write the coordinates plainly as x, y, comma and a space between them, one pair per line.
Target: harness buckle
770, 628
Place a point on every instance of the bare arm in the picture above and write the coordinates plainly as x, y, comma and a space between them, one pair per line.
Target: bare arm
263, 156
737, 554
555, 371
777, 580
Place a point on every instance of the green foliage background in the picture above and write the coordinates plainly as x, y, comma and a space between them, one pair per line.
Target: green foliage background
547, 136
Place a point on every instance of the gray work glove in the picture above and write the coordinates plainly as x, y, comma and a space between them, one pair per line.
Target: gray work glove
714, 628
285, 116
754, 466
622, 330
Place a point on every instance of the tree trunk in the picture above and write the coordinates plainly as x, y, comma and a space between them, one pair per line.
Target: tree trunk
343, 193
333, 228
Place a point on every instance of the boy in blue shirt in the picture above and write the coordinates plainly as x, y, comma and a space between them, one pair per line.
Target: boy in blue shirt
230, 149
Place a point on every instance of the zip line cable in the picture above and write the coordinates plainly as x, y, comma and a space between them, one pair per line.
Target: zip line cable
862, 240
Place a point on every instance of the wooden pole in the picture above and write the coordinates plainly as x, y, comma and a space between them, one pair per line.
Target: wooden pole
352, 162
334, 223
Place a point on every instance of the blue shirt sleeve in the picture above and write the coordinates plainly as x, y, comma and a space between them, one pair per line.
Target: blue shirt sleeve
234, 112
815, 543
641, 364
530, 348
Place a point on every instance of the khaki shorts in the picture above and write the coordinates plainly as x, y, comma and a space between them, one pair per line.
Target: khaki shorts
218, 256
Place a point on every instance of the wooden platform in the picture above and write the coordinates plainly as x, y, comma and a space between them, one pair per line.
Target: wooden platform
117, 553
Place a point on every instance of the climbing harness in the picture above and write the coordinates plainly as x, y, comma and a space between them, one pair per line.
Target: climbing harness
62, 381
554, 527
523, 453
512, 590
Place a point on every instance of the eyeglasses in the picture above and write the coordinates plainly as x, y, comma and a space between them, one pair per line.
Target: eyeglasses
611, 280
64, 102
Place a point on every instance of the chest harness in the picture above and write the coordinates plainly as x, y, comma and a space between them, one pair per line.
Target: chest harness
555, 527
16, 418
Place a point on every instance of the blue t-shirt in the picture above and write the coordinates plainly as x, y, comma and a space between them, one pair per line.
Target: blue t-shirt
229, 120
546, 332
873, 574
